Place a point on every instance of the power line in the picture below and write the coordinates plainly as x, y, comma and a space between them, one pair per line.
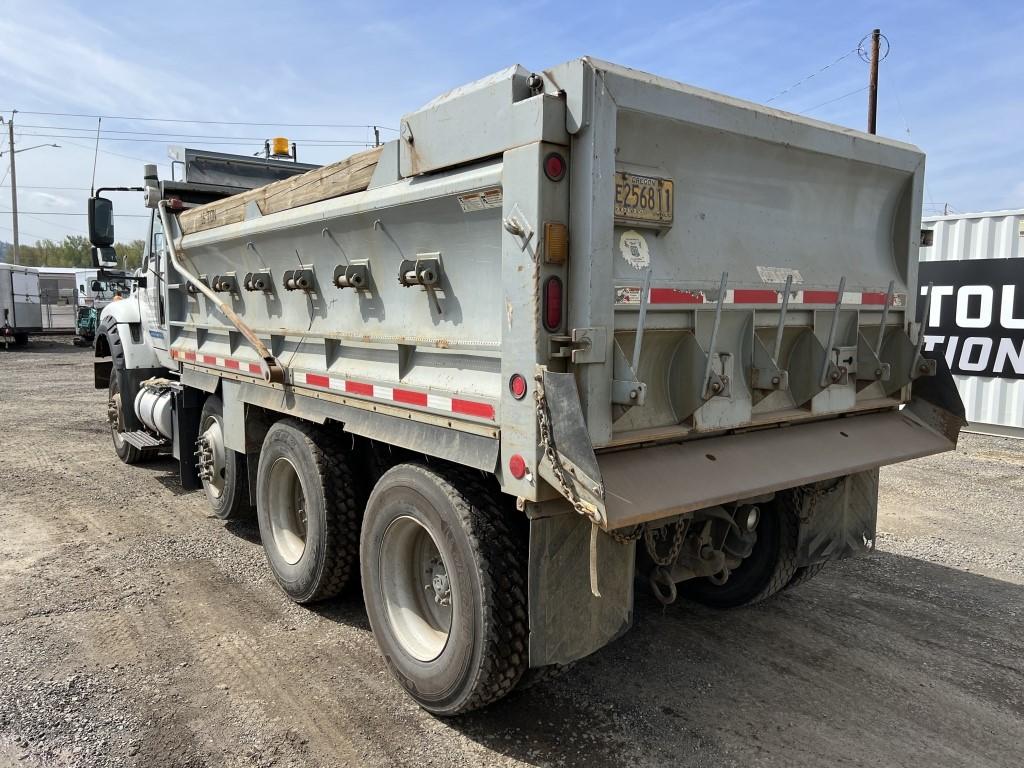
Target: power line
88, 132
74, 213
55, 225
23, 232
116, 154
240, 143
31, 186
837, 98
202, 122
800, 82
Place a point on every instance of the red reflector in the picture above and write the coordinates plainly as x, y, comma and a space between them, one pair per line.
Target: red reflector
316, 380
471, 408
412, 398
356, 388
517, 386
553, 303
517, 466
554, 166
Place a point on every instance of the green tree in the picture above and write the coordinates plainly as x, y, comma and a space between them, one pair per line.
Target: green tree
130, 253
75, 251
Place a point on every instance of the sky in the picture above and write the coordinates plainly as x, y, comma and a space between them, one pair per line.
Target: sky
952, 82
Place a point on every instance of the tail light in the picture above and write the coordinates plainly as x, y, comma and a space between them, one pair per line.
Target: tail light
553, 304
554, 166
517, 386
517, 466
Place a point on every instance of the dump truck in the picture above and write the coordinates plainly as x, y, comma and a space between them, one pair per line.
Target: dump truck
573, 331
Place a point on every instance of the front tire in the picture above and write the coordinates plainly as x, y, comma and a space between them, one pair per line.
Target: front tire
227, 486
308, 503
444, 580
127, 452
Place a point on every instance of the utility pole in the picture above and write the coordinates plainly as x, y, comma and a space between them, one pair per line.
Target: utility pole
876, 35
14, 186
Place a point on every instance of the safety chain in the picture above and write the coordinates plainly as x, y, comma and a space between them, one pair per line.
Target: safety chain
673, 551
812, 495
547, 441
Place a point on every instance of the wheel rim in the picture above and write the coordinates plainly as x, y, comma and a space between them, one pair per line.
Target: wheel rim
416, 588
287, 511
114, 417
213, 434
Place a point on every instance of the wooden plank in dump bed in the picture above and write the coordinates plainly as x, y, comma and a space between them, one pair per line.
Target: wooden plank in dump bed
352, 174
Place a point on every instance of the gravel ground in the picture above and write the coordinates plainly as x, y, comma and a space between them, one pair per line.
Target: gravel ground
137, 630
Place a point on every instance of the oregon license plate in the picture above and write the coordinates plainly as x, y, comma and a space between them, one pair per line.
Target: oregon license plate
643, 200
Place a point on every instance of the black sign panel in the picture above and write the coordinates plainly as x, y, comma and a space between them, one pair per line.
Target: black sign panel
976, 318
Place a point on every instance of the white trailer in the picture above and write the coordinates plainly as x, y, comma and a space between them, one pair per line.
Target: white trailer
20, 310
574, 326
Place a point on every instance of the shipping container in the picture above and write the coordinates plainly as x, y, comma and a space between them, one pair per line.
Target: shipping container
980, 325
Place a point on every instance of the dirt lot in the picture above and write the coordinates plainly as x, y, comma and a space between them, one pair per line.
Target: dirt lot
135, 629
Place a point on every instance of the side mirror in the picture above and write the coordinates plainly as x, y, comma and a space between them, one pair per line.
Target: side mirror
101, 222
103, 257
97, 286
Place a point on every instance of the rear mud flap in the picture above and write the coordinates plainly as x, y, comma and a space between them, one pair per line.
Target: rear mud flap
837, 517
101, 371
567, 621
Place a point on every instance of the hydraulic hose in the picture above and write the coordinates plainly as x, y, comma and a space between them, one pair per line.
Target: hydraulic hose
273, 371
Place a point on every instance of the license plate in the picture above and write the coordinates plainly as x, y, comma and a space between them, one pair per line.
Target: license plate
643, 200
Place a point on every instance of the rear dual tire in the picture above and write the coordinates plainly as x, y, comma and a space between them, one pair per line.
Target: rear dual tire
228, 490
769, 568
434, 537
443, 573
309, 504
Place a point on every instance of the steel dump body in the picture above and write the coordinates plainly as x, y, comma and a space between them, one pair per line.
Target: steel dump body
758, 197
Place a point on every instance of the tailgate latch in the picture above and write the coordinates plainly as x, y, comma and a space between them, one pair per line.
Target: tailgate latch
583, 346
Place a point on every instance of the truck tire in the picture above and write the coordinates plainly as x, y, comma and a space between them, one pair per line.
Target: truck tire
444, 581
309, 505
228, 489
128, 453
535, 676
767, 570
112, 342
804, 574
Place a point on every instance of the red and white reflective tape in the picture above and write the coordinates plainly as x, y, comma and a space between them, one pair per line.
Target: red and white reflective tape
227, 363
398, 395
630, 295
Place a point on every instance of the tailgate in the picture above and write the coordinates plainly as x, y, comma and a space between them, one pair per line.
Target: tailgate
763, 263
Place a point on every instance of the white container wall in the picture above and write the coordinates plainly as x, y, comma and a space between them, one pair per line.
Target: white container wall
994, 403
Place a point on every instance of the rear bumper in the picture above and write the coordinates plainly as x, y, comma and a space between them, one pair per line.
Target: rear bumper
666, 480
628, 487
653, 483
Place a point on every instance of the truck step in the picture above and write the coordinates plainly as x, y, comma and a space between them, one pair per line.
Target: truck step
144, 441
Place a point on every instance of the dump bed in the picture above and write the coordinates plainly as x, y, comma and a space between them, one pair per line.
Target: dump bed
729, 267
